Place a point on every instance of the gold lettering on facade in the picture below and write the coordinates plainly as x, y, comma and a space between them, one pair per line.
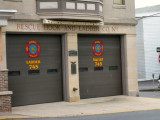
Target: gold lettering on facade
33, 64
29, 62
98, 59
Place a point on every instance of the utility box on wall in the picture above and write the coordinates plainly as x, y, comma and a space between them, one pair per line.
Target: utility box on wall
158, 49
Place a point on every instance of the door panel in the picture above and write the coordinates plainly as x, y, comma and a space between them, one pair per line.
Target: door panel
103, 80
34, 86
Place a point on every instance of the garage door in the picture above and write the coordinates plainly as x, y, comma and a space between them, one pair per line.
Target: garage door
35, 72
99, 66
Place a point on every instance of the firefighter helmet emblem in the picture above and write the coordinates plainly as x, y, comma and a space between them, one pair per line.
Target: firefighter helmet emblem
98, 48
33, 49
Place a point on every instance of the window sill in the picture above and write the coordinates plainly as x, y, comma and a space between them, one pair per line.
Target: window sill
119, 6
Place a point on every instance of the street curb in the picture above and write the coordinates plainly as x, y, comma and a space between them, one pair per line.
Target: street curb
77, 115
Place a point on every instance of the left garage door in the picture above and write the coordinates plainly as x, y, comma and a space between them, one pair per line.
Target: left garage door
33, 79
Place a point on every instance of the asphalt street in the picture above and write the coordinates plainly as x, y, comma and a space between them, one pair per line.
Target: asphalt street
140, 115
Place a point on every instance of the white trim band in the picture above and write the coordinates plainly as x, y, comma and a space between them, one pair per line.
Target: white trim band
6, 93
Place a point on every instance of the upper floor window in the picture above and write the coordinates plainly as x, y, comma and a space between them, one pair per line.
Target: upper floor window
118, 2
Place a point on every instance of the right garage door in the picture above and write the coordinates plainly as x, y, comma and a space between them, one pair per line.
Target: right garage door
99, 65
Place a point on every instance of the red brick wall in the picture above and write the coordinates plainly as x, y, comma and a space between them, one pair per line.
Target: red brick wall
3, 81
5, 100
5, 103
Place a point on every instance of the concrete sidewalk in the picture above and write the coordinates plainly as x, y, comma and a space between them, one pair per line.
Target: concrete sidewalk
92, 106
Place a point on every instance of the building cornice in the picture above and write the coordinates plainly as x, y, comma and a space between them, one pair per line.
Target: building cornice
5, 15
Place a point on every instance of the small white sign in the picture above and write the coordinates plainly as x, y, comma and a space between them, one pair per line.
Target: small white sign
158, 49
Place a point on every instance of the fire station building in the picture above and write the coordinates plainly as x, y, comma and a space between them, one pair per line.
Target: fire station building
66, 50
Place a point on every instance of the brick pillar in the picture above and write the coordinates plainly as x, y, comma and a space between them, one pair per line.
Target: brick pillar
5, 95
3, 81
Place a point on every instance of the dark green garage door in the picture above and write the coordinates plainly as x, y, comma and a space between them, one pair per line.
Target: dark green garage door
34, 80
99, 66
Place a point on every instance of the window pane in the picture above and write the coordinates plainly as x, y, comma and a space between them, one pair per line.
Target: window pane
52, 71
14, 73
113, 67
33, 72
98, 68
120, 2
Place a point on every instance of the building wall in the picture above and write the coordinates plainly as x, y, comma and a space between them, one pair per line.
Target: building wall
140, 50
119, 20
128, 33
22, 6
151, 42
120, 13
26, 9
